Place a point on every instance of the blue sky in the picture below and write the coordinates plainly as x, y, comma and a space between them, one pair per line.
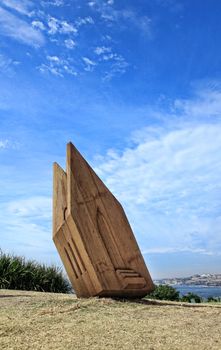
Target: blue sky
136, 86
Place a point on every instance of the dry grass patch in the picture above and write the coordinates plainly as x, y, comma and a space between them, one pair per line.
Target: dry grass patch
31, 320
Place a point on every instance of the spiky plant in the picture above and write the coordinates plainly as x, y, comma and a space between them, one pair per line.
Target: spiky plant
18, 273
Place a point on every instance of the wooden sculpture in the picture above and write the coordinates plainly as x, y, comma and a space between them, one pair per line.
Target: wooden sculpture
93, 236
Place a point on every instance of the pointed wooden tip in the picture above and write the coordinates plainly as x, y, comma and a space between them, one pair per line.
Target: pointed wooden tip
56, 166
71, 148
59, 196
70, 145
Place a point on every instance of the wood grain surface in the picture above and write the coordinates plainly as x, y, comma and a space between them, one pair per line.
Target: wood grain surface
93, 236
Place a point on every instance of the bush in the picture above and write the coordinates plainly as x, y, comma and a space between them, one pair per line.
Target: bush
18, 273
191, 298
164, 292
214, 300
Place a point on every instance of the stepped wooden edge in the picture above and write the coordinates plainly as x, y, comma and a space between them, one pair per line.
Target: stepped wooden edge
93, 236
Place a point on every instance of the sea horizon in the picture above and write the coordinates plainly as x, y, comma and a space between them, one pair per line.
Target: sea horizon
203, 291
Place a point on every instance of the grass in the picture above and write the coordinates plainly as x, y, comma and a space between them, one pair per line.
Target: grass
20, 274
31, 320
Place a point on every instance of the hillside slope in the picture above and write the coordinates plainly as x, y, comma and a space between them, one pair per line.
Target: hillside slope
31, 320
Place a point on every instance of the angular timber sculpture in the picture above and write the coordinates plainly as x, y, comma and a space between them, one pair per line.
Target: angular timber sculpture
93, 236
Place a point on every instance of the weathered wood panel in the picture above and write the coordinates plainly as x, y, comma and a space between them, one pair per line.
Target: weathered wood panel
93, 236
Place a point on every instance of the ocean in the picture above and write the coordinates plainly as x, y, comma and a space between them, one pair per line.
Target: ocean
202, 291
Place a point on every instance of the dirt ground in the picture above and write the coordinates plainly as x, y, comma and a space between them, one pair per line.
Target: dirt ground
30, 320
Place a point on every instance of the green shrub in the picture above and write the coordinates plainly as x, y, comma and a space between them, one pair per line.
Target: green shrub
164, 292
18, 273
191, 298
214, 300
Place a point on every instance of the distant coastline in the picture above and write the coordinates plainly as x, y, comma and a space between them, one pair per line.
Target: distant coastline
203, 280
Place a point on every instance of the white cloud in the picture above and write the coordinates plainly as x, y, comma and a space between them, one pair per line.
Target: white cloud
91, 3
163, 250
9, 144
124, 17
66, 27
207, 103
21, 6
34, 207
118, 65
27, 227
109, 57
59, 26
174, 151
57, 66
54, 59
99, 50
4, 144
169, 182
84, 20
7, 64
56, 3
18, 29
53, 25
38, 25
143, 23
69, 43
89, 64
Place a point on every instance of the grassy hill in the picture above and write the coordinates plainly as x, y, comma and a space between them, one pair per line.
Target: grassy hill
33, 320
